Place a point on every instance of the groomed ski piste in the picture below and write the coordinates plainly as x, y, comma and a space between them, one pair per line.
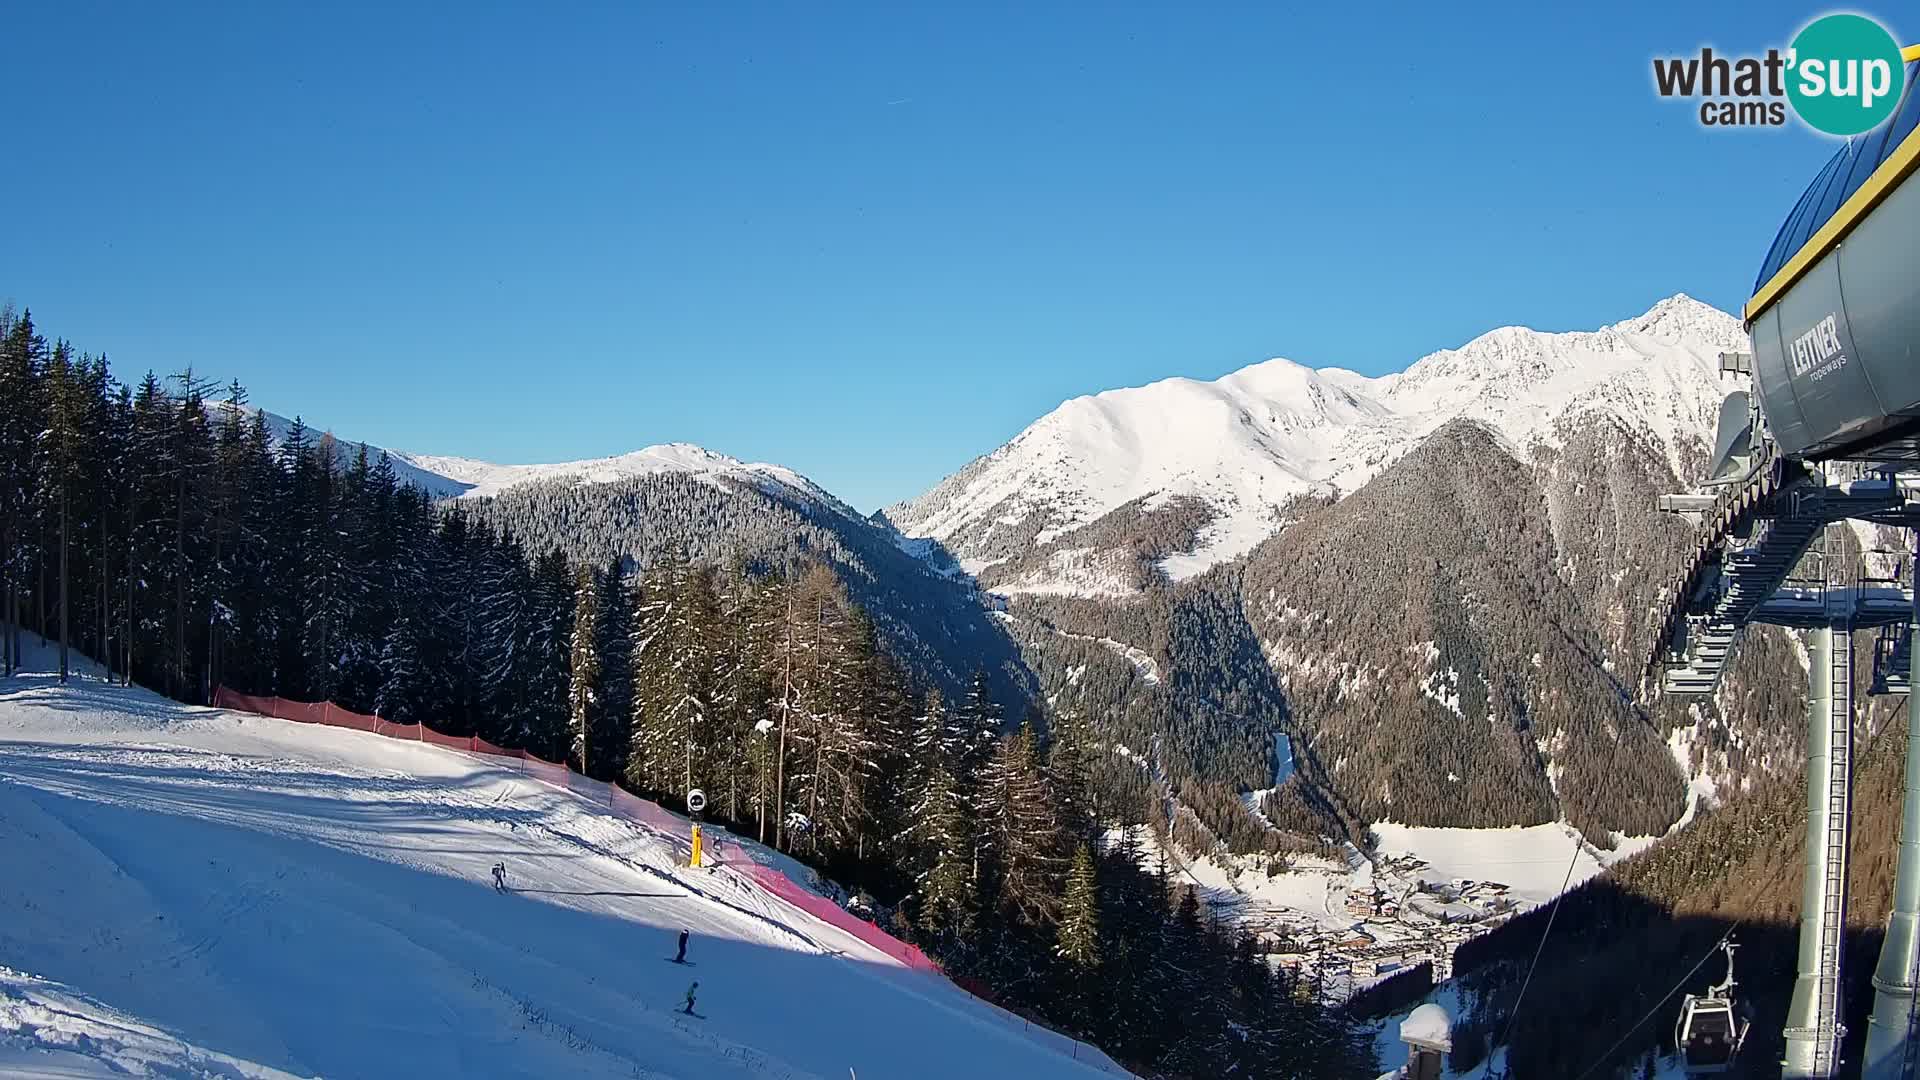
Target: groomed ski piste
195, 892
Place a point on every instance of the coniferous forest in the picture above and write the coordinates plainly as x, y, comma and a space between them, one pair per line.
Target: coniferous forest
158, 528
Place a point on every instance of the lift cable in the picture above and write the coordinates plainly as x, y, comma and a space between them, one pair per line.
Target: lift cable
1579, 845
1625, 1035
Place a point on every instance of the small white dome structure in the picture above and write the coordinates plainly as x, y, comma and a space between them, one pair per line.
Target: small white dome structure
1428, 1028
1428, 1033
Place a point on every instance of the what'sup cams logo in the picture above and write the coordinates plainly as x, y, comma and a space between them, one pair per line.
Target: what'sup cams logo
1842, 75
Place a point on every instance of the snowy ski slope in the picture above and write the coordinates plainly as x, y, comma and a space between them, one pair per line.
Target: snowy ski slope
194, 892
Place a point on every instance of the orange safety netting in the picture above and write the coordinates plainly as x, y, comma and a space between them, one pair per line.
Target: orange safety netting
304, 712
227, 699
545, 770
651, 814
451, 742
482, 746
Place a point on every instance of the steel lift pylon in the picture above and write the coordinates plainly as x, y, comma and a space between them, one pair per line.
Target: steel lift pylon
1768, 516
1740, 575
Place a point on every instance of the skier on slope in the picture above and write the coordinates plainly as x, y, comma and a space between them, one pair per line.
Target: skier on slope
500, 877
681, 956
688, 1008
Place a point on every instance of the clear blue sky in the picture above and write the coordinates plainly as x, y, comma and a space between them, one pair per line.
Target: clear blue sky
869, 242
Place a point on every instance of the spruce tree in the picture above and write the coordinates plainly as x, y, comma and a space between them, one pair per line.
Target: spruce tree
611, 714
1079, 933
584, 667
1019, 833
61, 449
739, 689
940, 829
543, 667
972, 736
673, 667
1070, 756
397, 698
192, 459
21, 422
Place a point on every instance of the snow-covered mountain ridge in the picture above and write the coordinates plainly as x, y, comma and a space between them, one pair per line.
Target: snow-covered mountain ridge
480, 479
449, 477
1252, 440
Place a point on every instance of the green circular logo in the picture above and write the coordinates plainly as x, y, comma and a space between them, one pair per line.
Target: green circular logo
1845, 74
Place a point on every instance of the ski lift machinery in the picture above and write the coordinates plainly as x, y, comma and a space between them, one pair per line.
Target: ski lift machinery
1710, 1028
1829, 431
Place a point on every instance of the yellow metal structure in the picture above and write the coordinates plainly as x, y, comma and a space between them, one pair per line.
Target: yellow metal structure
1895, 169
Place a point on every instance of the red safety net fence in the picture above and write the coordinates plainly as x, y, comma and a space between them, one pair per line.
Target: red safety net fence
786, 889
670, 826
331, 715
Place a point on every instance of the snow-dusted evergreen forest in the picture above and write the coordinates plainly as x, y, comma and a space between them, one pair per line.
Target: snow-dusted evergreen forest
185, 548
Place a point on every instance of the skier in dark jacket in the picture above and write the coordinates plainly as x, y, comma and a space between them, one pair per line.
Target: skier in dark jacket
500, 877
681, 956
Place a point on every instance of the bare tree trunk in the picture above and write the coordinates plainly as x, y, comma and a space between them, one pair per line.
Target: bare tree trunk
132, 561
64, 631
100, 646
819, 736
177, 667
210, 672
7, 612
786, 708
761, 809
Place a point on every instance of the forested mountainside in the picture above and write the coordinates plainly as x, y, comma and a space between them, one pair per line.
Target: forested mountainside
1446, 600
1119, 554
1175, 684
186, 547
1440, 669
932, 623
1459, 642
1624, 939
684, 501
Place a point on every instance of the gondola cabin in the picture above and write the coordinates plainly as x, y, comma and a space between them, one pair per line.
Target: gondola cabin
1708, 1035
1710, 1031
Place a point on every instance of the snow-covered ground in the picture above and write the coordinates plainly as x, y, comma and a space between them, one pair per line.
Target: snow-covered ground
198, 893
1356, 920
1246, 443
1532, 861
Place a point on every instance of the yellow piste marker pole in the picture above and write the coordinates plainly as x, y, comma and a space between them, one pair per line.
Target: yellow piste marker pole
696, 843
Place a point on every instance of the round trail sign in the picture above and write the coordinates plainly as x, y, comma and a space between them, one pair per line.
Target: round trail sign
696, 800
